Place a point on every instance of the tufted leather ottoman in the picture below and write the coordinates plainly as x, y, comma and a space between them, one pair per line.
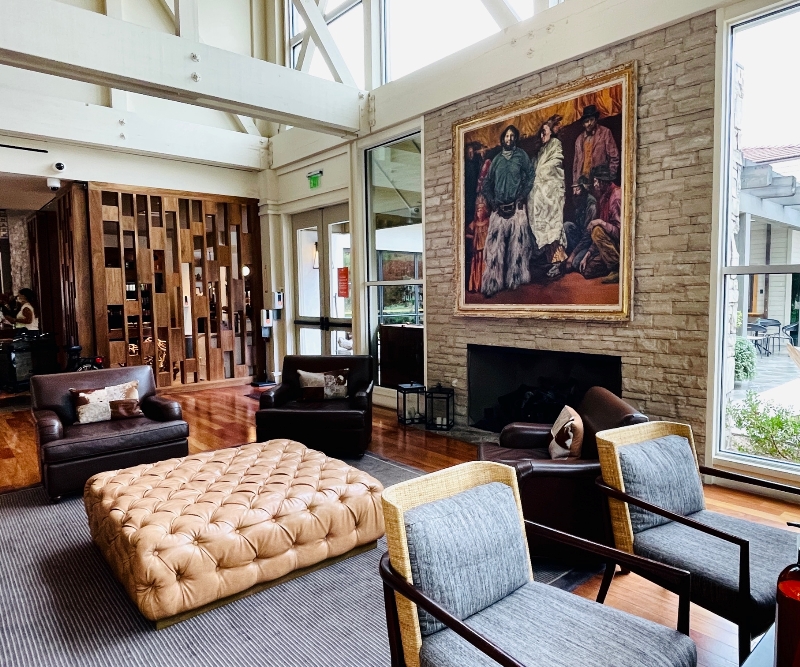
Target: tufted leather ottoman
184, 533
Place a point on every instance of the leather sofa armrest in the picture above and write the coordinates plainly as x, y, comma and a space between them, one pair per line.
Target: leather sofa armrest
564, 468
362, 399
274, 397
522, 435
48, 426
161, 409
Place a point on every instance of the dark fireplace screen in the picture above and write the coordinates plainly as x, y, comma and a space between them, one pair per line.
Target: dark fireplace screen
511, 384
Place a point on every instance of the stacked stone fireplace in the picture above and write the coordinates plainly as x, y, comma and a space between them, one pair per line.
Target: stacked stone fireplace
663, 349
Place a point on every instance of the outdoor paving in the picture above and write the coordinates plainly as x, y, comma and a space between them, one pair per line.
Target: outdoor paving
777, 379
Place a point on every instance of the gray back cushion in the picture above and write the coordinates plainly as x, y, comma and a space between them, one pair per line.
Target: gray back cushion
661, 472
467, 551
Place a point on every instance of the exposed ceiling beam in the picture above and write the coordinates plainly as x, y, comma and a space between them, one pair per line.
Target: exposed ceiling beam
119, 98
502, 12
315, 24
168, 11
58, 39
246, 124
39, 116
187, 24
187, 19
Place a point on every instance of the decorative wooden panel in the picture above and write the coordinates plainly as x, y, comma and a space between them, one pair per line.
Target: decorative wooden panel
173, 293
60, 269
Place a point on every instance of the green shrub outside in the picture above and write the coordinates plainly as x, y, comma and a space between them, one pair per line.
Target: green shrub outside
744, 353
771, 429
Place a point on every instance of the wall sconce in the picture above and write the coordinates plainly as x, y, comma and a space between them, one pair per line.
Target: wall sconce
316, 255
245, 270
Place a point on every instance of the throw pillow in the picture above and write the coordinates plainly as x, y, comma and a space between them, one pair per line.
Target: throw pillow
323, 386
661, 472
567, 435
123, 399
467, 551
119, 401
91, 405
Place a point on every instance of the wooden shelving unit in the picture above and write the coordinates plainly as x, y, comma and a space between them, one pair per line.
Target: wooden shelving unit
176, 281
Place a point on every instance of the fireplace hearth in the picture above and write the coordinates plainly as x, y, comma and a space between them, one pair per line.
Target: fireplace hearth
507, 384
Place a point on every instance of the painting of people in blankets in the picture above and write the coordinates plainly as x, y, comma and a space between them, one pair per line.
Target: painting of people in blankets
545, 203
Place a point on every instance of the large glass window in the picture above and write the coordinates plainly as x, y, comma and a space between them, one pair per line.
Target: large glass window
420, 32
760, 379
396, 305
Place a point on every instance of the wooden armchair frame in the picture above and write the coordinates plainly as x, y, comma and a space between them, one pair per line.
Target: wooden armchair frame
608, 443
401, 597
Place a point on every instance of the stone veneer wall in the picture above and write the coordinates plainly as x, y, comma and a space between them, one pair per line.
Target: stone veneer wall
664, 347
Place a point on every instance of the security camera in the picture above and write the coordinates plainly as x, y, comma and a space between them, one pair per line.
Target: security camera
54, 184
59, 166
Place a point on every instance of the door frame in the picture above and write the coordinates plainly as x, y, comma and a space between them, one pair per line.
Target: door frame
323, 218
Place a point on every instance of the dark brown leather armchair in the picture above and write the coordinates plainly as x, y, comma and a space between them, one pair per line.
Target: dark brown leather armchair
338, 427
562, 493
70, 453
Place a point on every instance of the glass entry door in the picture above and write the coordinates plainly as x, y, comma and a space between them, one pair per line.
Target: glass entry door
323, 322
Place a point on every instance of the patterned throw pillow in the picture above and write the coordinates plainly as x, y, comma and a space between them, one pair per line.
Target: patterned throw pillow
91, 405
323, 386
120, 401
567, 435
123, 399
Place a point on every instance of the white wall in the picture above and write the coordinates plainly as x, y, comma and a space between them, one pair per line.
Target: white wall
92, 164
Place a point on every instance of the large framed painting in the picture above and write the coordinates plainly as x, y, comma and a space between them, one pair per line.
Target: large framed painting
544, 203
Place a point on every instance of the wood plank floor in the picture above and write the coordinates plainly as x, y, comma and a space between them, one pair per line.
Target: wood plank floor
226, 417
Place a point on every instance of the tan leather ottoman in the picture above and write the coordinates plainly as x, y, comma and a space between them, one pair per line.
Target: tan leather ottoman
184, 533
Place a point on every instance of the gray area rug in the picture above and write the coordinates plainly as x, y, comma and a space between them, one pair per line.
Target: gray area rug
61, 606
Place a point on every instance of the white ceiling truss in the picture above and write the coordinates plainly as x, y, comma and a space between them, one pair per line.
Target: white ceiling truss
317, 27
58, 39
502, 12
317, 31
306, 54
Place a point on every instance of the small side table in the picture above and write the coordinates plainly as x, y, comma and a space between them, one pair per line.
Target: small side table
764, 653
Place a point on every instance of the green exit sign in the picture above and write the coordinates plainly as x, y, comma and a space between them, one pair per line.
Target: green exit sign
314, 179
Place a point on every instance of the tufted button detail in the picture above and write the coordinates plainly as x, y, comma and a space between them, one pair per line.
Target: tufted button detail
262, 489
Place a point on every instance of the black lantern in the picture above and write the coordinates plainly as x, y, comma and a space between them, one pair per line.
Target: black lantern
411, 403
440, 408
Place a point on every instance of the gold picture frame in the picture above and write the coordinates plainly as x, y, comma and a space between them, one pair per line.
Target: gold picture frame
560, 268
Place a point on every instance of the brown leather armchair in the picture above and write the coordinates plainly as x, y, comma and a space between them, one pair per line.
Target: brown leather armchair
70, 453
562, 493
338, 427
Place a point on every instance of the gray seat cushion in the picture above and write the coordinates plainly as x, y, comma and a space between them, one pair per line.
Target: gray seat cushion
542, 626
661, 472
714, 563
467, 551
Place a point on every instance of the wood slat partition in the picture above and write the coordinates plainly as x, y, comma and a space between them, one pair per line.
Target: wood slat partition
169, 288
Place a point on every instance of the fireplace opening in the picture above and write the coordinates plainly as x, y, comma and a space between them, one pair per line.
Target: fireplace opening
506, 384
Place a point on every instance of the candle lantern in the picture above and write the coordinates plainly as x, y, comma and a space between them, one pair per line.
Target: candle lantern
411, 403
440, 408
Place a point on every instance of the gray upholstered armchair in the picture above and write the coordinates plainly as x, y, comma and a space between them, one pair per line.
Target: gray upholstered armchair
657, 506
458, 569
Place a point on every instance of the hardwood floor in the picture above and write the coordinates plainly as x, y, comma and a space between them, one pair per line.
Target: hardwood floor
226, 417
